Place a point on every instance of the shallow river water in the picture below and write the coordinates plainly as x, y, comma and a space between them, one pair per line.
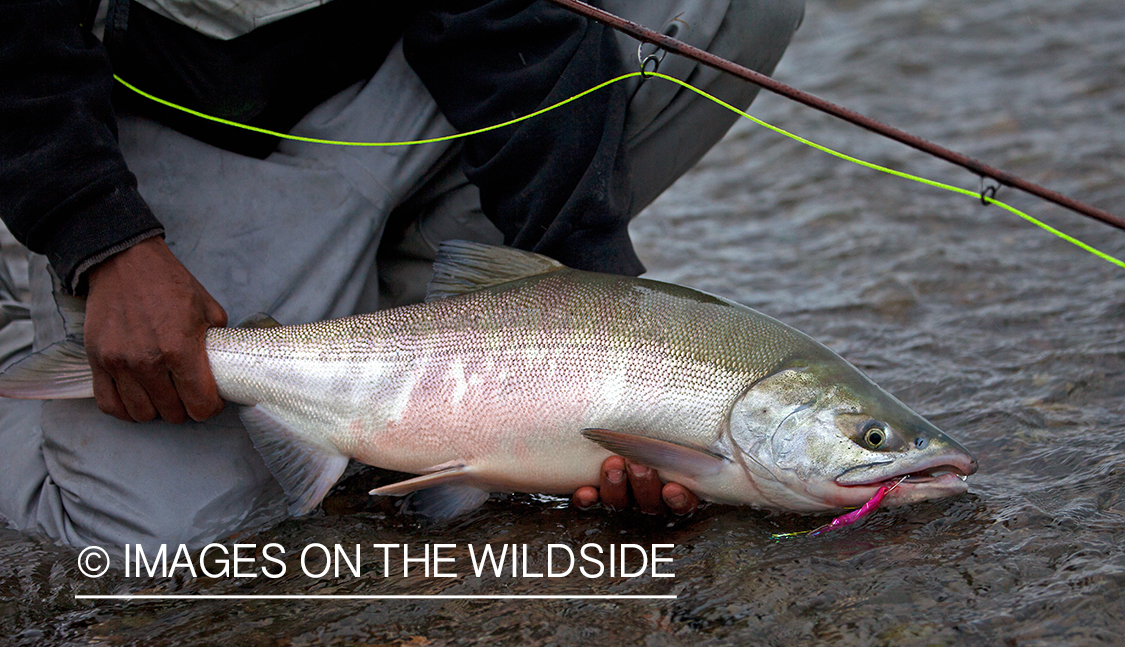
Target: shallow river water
1004, 336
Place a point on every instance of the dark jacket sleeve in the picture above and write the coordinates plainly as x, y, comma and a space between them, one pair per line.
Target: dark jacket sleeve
64, 188
557, 184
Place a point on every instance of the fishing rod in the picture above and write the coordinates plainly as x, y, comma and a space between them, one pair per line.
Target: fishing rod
669, 44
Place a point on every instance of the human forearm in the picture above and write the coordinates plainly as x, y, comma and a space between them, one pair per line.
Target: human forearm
65, 190
146, 318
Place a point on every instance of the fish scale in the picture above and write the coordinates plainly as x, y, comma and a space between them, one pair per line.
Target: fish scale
623, 363
521, 374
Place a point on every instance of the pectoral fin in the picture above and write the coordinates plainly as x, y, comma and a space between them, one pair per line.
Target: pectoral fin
305, 469
445, 492
658, 454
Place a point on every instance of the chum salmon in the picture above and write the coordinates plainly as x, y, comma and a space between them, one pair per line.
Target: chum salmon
520, 374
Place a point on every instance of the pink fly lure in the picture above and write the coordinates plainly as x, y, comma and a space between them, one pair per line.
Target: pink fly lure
859, 513
851, 517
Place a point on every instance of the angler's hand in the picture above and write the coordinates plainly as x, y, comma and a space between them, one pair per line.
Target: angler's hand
653, 497
146, 317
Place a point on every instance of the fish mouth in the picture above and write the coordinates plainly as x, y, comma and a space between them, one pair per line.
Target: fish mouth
948, 472
940, 478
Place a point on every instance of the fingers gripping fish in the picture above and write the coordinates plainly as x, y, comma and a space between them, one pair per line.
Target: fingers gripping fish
519, 374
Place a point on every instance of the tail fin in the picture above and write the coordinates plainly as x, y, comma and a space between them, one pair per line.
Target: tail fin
59, 372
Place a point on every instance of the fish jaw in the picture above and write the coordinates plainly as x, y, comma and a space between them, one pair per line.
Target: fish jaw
802, 430
940, 476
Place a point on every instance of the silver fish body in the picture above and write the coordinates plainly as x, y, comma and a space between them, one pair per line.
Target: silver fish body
520, 374
492, 389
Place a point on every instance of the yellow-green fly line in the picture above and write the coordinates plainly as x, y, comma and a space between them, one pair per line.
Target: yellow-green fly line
883, 169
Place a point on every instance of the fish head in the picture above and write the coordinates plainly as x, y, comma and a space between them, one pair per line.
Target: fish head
822, 436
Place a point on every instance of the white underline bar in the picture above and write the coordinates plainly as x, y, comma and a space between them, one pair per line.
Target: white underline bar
203, 596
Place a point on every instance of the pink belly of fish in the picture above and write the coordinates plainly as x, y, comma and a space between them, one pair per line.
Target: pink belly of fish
517, 426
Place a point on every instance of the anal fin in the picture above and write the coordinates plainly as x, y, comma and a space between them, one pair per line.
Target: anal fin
305, 469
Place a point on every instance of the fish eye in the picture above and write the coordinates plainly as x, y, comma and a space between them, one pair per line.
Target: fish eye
874, 434
870, 433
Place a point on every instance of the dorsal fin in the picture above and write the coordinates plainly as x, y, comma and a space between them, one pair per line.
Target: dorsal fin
462, 266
